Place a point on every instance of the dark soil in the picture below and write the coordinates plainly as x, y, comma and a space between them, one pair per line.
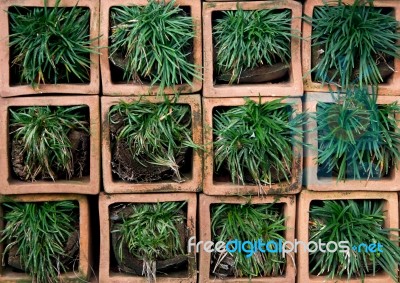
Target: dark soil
130, 264
140, 169
262, 74
385, 65
222, 268
80, 142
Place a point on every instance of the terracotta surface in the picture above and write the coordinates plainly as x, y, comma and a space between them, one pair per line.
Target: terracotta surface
106, 200
93, 87
312, 182
212, 187
194, 180
294, 87
392, 87
305, 199
85, 185
85, 258
289, 210
118, 89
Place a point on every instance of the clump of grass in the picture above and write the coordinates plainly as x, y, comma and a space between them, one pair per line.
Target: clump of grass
257, 139
158, 131
43, 131
150, 232
49, 45
248, 39
353, 36
356, 222
156, 43
246, 222
40, 232
356, 134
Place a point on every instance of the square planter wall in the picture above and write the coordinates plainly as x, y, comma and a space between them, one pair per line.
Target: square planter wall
84, 269
391, 87
194, 179
105, 200
124, 88
85, 185
214, 187
316, 183
293, 87
306, 197
8, 90
289, 211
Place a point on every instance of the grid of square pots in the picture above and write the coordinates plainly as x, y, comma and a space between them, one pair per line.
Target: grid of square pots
306, 197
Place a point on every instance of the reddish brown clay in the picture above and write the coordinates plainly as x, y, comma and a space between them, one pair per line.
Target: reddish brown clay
85, 185
392, 87
118, 89
105, 200
93, 87
294, 87
311, 179
289, 210
83, 270
391, 206
194, 180
212, 187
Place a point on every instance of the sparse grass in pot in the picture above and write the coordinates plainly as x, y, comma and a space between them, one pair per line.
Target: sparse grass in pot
354, 221
153, 42
50, 44
42, 132
38, 233
357, 138
156, 133
248, 39
247, 222
150, 232
353, 40
255, 141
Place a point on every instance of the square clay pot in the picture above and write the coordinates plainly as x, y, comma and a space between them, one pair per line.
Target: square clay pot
126, 89
314, 182
391, 87
293, 87
391, 207
9, 90
289, 211
84, 269
105, 200
193, 181
85, 185
216, 187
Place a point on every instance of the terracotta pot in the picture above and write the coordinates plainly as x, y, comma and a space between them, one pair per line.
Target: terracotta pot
289, 211
391, 87
391, 207
193, 179
86, 185
84, 268
8, 90
108, 276
215, 187
117, 89
316, 183
294, 87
